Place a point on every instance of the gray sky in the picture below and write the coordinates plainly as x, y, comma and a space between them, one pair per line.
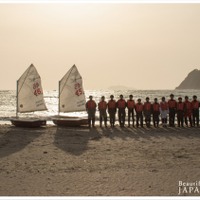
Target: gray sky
144, 46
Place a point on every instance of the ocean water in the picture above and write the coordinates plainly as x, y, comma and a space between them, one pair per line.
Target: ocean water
8, 100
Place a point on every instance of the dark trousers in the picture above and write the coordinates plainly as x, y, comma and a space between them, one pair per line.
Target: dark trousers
91, 117
180, 116
130, 115
112, 113
172, 113
121, 116
195, 115
147, 115
103, 117
190, 120
139, 117
156, 118
164, 121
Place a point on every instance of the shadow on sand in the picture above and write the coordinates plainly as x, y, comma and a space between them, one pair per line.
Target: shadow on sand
151, 133
75, 140
16, 139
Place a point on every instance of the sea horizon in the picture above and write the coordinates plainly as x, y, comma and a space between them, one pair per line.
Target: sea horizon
8, 100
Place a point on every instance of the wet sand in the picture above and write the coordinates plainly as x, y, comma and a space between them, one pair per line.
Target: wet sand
100, 161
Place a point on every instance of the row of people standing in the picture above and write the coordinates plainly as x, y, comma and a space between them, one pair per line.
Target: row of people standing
187, 110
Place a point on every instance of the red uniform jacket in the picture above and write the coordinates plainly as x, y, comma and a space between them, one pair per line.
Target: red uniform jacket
112, 104
139, 107
172, 104
195, 105
164, 105
91, 104
156, 107
180, 106
121, 104
147, 106
130, 104
102, 105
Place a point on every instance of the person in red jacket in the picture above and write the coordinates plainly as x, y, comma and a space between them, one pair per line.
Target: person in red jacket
195, 111
121, 105
130, 106
147, 109
172, 110
139, 113
180, 112
91, 110
112, 107
102, 106
156, 112
164, 110
188, 111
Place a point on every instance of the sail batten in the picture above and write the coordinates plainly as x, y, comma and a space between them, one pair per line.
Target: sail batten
71, 92
29, 92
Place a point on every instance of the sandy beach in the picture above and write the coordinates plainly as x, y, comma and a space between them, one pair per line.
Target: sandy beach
100, 161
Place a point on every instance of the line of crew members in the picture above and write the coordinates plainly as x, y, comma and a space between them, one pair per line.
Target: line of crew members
185, 110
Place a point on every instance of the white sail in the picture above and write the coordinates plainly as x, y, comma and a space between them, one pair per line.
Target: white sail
29, 92
71, 92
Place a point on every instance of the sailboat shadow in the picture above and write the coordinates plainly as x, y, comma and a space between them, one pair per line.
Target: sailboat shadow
74, 140
17, 139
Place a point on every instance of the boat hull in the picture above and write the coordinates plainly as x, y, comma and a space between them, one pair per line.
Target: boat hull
70, 121
28, 123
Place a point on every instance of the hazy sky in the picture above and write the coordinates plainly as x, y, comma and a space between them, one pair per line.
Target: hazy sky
144, 46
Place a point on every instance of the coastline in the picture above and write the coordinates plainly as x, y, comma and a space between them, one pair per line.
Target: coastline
99, 161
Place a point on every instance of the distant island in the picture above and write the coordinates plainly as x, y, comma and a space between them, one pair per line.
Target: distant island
120, 87
192, 81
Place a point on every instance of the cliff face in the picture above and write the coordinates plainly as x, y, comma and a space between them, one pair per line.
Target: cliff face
192, 81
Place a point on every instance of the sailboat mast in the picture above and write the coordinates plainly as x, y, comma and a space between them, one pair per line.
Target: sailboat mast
17, 100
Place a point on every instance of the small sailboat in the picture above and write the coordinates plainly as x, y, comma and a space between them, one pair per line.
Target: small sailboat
71, 97
29, 98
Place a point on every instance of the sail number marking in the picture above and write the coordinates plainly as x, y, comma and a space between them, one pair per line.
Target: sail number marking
78, 89
36, 88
